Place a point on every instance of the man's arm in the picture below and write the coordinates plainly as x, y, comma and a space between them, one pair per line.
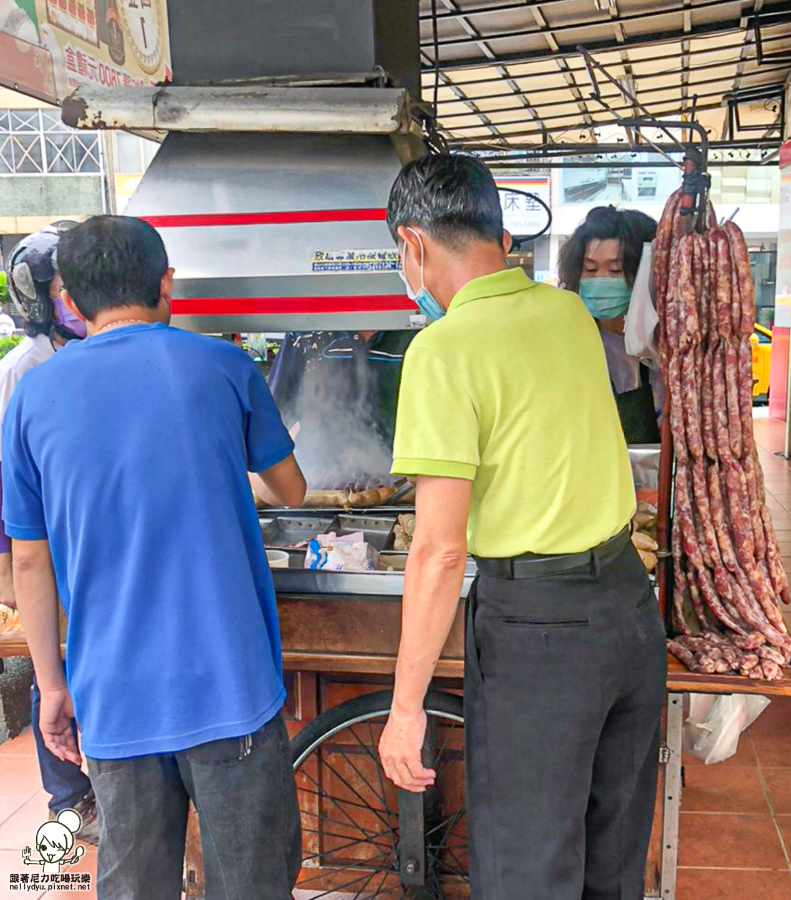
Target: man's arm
280, 485
37, 600
6, 581
434, 576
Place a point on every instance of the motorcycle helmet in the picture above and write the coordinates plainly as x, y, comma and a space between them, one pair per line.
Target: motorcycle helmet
32, 265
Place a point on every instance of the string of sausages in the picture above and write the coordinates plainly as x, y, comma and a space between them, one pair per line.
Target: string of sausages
728, 577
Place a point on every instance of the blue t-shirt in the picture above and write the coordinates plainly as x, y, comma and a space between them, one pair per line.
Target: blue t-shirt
129, 452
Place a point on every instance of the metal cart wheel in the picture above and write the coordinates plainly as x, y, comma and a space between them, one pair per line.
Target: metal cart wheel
361, 836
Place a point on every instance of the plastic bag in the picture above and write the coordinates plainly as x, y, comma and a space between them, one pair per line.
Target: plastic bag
639, 327
714, 723
336, 553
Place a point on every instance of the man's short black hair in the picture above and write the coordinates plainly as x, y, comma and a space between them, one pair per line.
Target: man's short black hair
110, 262
453, 198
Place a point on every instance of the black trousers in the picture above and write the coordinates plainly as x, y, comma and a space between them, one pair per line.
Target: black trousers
563, 690
245, 794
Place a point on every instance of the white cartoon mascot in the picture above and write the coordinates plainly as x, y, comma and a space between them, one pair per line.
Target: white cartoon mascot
54, 840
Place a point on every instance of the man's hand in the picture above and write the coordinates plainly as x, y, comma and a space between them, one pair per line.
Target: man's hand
399, 749
56, 713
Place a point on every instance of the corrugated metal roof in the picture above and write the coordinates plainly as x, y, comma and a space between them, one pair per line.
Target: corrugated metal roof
509, 74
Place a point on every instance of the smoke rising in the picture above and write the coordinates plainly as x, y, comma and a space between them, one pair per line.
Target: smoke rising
340, 443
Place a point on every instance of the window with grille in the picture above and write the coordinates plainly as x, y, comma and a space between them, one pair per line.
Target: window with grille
36, 142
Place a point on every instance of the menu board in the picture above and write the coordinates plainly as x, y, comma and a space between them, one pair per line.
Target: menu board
50, 47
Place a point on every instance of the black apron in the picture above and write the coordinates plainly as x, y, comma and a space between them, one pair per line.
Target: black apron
637, 412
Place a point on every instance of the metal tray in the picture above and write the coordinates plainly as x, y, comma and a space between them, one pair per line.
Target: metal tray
381, 583
282, 531
377, 530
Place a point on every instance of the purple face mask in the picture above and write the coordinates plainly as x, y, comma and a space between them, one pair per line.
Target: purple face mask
68, 319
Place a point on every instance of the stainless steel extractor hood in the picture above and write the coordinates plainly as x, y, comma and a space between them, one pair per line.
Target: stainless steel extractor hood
277, 231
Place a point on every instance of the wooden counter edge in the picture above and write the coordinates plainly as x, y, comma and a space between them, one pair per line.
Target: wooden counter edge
679, 680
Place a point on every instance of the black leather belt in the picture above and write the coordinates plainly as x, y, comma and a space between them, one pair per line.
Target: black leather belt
538, 565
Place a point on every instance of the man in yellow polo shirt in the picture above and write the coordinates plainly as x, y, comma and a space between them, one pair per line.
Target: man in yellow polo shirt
506, 418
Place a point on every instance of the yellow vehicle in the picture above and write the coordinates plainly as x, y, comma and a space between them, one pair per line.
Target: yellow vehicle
761, 347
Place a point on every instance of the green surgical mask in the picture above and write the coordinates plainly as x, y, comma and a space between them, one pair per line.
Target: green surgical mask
606, 298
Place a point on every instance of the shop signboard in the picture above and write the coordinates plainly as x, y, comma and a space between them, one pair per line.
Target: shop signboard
50, 47
523, 215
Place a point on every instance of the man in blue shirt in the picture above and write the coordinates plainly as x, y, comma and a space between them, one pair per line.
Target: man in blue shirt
127, 496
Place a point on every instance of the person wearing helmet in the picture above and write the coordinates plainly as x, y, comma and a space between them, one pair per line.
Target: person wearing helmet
34, 286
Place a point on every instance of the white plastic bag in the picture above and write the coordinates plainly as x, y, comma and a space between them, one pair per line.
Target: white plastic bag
714, 723
639, 327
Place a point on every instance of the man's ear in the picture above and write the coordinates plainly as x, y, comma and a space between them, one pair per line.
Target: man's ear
70, 304
508, 241
166, 287
409, 237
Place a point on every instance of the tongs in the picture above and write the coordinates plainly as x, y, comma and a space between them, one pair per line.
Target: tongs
404, 486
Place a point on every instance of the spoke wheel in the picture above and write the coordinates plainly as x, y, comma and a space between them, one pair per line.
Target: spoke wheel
362, 838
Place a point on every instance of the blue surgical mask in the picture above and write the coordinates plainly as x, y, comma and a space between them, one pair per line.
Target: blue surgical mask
606, 298
423, 297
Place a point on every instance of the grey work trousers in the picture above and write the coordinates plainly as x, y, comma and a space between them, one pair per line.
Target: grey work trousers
563, 690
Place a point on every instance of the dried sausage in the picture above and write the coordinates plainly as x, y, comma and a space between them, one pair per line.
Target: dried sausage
661, 254
689, 327
718, 518
707, 406
691, 403
721, 430
723, 285
677, 410
742, 278
777, 573
732, 395
700, 492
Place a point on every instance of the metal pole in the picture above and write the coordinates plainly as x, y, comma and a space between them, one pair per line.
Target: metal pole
675, 719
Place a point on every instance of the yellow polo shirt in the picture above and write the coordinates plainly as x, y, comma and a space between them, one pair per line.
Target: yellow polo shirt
510, 391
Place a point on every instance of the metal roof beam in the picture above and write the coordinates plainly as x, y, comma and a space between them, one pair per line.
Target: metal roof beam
565, 70
507, 135
744, 56
473, 33
554, 104
640, 79
490, 10
462, 98
618, 109
624, 19
657, 60
645, 40
577, 149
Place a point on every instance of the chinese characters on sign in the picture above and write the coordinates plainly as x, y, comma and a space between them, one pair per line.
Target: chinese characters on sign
522, 215
355, 261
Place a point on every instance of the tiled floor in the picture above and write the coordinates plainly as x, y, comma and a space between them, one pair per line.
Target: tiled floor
735, 835
23, 808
